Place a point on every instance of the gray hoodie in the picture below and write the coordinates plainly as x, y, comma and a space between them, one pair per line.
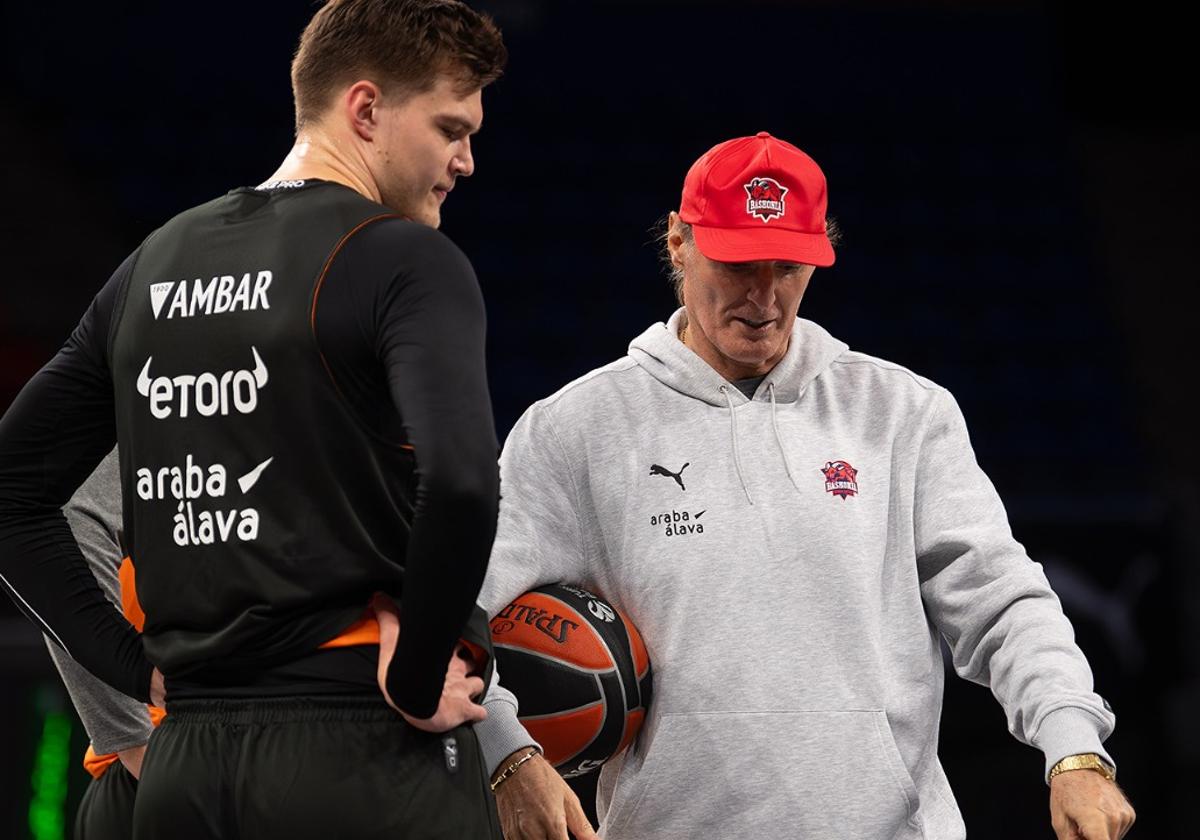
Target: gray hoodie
792, 584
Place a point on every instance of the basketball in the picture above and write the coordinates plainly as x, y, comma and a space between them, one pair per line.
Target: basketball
580, 671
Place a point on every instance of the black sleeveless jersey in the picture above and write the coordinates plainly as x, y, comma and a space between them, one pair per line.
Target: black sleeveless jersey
260, 509
298, 383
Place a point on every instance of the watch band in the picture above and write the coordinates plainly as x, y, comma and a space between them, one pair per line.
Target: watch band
1084, 761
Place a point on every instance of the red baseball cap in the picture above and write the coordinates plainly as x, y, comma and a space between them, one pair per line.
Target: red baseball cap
757, 198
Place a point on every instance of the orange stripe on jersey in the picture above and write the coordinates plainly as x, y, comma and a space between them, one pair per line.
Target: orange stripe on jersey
97, 764
94, 763
129, 599
365, 631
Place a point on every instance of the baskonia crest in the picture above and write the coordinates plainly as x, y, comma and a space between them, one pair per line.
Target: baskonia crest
840, 479
764, 198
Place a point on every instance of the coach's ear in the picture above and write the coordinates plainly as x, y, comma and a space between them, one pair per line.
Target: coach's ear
674, 238
360, 105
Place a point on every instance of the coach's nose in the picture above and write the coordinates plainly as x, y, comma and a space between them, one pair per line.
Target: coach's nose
762, 287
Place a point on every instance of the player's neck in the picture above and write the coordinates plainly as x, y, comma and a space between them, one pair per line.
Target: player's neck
316, 155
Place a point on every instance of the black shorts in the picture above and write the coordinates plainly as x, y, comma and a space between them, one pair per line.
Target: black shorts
106, 810
310, 767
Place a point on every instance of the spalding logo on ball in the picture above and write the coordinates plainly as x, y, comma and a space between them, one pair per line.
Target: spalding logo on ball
580, 672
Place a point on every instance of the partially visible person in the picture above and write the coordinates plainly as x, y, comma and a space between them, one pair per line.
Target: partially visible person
794, 527
118, 726
295, 375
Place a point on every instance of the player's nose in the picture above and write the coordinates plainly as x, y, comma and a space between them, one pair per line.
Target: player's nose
463, 162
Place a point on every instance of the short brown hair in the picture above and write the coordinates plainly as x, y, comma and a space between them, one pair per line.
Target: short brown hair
401, 45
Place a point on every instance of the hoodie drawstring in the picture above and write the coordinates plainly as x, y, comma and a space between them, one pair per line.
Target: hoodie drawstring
787, 463
737, 458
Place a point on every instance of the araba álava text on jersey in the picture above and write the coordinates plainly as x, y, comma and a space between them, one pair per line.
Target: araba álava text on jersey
192, 482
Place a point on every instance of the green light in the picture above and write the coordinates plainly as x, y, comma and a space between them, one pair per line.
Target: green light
49, 779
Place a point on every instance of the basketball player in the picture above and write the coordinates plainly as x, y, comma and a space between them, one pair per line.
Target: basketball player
295, 375
793, 526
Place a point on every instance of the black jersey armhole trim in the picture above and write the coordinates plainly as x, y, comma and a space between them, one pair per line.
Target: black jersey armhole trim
312, 325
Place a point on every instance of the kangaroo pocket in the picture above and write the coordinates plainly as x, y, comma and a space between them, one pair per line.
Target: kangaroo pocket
808, 774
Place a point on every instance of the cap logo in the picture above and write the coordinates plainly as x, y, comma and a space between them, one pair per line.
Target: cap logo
764, 198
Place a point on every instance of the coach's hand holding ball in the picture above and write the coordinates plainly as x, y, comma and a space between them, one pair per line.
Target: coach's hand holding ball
536, 804
456, 706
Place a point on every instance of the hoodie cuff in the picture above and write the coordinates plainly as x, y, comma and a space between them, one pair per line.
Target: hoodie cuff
1069, 731
500, 734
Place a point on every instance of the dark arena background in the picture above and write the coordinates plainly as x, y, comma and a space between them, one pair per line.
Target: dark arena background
1016, 182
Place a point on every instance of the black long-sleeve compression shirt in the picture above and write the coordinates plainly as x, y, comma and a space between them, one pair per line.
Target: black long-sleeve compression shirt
399, 323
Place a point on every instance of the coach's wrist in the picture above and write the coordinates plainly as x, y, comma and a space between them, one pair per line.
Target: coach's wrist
501, 733
513, 764
1069, 731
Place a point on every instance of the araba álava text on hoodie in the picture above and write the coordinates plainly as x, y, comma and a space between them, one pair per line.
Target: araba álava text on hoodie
677, 523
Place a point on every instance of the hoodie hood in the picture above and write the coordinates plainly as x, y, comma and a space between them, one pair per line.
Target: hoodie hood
810, 351
660, 352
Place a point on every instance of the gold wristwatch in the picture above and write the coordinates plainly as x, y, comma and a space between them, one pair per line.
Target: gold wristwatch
1085, 761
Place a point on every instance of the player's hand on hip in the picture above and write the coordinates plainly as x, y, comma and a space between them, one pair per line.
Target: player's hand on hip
1086, 806
536, 804
456, 705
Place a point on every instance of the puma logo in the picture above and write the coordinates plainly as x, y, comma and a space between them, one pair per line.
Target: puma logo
655, 469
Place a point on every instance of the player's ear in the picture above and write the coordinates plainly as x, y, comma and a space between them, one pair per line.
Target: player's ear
361, 104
